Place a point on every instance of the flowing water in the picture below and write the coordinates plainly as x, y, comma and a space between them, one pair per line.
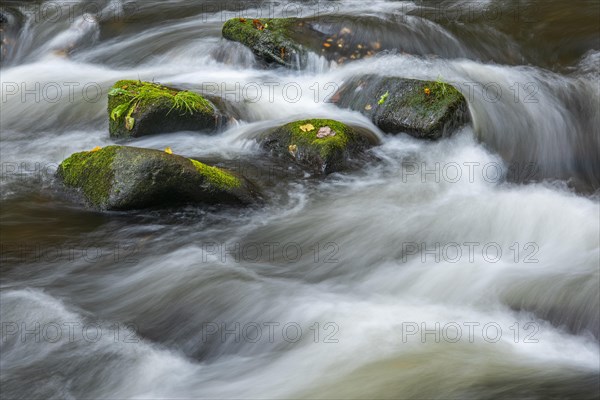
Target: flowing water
463, 268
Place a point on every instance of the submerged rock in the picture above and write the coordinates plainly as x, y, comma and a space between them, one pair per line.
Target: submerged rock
320, 145
12, 21
423, 109
125, 178
137, 108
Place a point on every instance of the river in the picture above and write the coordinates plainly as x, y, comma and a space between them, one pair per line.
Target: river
461, 268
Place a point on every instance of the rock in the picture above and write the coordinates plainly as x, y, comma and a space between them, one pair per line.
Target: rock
12, 21
125, 178
137, 108
423, 109
299, 142
287, 41
269, 39
339, 38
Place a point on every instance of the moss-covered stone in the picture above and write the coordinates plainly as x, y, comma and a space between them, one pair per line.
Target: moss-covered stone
424, 109
299, 141
339, 38
268, 38
124, 178
216, 176
137, 108
92, 172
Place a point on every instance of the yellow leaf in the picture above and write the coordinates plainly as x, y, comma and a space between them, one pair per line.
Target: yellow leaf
129, 123
293, 149
95, 149
368, 107
168, 150
307, 128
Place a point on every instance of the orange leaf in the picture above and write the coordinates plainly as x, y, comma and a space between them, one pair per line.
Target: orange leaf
258, 25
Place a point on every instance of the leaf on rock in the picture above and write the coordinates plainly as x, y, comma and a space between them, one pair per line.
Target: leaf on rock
118, 111
258, 25
325, 132
129, 123
307, 128
168, 150
383, 98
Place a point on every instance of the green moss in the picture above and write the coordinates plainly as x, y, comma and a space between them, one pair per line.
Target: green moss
431, 97
126, 96
273, 42
216, 176
247, 32
90, 171
324, 146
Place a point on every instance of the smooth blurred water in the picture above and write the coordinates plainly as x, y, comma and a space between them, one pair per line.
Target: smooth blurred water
336, 285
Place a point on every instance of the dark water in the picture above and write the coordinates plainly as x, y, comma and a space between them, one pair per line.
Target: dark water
464, 268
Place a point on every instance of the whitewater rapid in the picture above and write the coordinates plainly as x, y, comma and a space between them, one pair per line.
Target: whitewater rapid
464, 268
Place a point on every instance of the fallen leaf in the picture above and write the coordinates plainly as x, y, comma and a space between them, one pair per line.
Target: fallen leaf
258, 25
325, 132
326, 44
292, 148
383, 98
95, 149
307, 128
168, 150
243, 20
368, 107
129, 123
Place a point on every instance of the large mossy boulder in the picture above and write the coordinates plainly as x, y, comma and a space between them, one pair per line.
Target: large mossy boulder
322, 146
423, 109
137, 108
125, 178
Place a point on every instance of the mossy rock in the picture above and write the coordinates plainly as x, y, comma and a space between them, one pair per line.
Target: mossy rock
137, 108
339, 38
270, 39
125, 178
299, 142
423, 109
